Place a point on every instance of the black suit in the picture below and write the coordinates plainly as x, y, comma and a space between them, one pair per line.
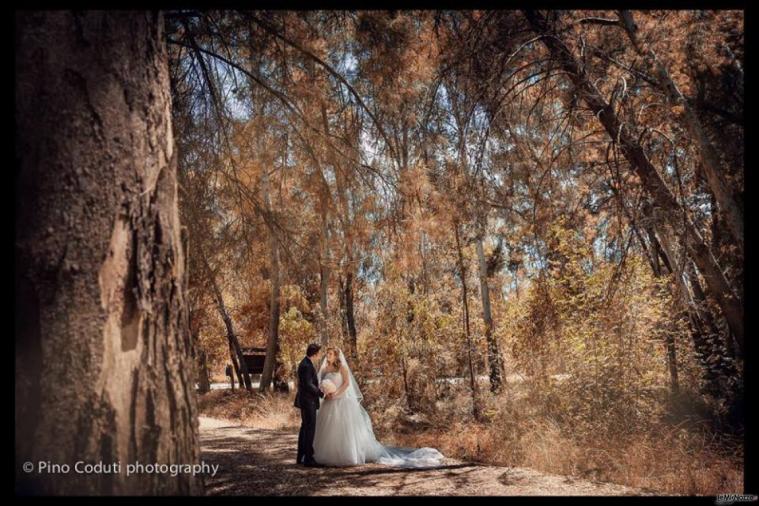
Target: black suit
307, 399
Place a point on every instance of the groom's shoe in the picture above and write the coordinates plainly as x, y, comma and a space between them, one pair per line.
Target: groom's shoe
312, 463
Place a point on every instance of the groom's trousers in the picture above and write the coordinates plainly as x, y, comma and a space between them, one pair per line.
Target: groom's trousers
307, 431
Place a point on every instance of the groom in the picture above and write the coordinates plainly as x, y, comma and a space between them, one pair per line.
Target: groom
307, 399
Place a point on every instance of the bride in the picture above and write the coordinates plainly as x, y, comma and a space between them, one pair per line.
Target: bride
344, 435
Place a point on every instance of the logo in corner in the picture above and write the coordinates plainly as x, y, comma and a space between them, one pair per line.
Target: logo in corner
727, 499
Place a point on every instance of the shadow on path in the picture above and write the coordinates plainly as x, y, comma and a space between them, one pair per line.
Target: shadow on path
261, 462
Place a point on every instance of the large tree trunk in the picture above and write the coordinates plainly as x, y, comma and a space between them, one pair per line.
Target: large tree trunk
494, 353
101, 314
652, 182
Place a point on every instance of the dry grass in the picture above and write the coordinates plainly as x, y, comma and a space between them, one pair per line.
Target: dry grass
220, 378
683, 459
679, 459
252, 409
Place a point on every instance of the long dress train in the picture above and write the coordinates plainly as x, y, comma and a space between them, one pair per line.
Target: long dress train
344, 437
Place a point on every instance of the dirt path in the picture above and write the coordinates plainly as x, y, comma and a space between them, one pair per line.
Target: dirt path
262, 462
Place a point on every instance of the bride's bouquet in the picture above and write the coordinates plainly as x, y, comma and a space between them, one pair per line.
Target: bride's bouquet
328, 387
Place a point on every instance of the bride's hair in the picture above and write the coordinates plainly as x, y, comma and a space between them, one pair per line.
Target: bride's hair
336, 362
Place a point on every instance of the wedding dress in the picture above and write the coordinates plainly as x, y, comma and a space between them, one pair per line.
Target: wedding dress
344, 434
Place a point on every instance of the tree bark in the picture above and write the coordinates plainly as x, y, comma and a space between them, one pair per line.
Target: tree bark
494, 353
238, 360
101, 313
716, 354
324, 282
703, 331
235, 365
204, 383
346, 296
657, 253
272, 343
350, 317
652, 182
467, 333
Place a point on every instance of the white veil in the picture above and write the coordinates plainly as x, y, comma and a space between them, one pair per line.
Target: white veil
352, 391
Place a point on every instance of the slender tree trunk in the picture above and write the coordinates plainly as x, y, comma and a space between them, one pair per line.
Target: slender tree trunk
323, 292
343, 316
494, 353
324, 266
235, 365
672, 363
238, 360
272, 344
652, 182
350, 316
409, 400
423, 260
203, 381
103, 349
653, 253
467, 333
324, 281
670, 339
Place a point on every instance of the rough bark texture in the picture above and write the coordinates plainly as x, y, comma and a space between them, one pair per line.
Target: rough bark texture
716, 368
101, 316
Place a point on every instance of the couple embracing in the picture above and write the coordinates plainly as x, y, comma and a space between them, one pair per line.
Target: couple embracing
335, 428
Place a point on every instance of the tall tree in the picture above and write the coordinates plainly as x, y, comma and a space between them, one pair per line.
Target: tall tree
725, 197
670, 210
467, 331
494, 354
103, 349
